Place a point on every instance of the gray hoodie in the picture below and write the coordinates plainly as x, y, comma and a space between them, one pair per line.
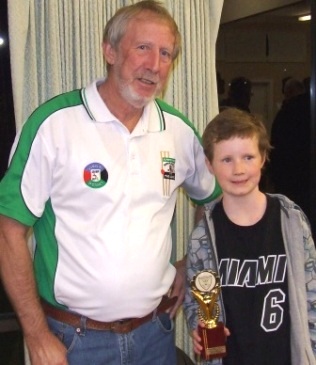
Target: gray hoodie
301, 273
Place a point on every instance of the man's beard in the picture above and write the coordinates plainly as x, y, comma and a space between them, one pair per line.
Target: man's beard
131, 96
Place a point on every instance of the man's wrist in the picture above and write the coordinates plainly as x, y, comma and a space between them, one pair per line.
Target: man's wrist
181, 263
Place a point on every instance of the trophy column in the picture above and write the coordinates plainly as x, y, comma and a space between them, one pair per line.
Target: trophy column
205, 287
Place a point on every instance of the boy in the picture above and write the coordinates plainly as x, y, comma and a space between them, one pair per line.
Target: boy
262, 248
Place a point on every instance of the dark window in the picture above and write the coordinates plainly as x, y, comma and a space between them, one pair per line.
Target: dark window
11, 340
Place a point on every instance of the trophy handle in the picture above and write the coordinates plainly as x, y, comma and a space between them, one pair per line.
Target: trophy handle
208, 308
210, 319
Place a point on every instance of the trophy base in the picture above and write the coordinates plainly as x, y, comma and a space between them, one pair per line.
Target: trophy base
213, 342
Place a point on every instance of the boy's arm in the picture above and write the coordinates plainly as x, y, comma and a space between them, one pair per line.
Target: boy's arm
197, 258
310, 285
310, 264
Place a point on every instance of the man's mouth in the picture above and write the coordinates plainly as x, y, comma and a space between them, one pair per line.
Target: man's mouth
147, 81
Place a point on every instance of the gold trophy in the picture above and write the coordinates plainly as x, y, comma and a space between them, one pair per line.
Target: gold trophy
205, 287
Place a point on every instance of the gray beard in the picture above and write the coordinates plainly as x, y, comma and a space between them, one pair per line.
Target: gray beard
134, 99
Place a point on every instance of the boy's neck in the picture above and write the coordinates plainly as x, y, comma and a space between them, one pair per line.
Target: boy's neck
245, 211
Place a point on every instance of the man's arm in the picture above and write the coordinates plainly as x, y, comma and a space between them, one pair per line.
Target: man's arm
178, 286
16, 271
199, 212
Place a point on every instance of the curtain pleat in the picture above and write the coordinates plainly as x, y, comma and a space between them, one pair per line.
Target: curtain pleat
55, 47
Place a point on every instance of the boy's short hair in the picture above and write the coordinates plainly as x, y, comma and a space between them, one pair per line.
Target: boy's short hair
233, 122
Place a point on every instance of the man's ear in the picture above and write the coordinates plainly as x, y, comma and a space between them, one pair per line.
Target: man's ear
109, 53
209, 166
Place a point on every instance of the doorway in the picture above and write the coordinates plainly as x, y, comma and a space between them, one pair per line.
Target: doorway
261, 101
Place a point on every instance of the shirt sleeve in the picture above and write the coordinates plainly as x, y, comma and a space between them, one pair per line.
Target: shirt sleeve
201, 185
24, 189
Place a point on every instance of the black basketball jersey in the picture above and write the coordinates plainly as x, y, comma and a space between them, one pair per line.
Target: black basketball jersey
252, 267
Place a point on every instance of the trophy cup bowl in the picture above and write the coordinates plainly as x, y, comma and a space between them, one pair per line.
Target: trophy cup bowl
205, 288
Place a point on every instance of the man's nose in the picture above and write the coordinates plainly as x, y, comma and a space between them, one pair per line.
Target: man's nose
153, 60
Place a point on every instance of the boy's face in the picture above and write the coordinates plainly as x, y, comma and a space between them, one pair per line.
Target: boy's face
237, 165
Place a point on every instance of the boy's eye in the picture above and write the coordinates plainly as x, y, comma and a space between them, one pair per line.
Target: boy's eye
226, 159
249, 157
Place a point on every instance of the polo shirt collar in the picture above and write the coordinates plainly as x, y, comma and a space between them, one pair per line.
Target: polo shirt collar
152, 119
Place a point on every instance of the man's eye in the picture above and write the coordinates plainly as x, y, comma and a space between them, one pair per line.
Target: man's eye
166, 54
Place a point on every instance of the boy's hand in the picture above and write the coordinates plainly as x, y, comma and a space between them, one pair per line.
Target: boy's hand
197, 347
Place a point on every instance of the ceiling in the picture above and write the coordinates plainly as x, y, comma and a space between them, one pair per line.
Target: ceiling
234, 10
293, 10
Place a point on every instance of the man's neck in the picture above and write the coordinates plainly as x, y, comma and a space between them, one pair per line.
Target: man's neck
124, 112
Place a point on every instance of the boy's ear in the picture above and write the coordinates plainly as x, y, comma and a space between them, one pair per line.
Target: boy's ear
264, 159
209, 166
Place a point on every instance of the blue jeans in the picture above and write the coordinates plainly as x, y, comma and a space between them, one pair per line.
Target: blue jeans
150, 344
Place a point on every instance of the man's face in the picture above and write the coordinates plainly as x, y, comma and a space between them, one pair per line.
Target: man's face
143, 60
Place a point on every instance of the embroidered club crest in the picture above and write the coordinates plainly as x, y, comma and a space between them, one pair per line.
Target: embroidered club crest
167, 171
95, 175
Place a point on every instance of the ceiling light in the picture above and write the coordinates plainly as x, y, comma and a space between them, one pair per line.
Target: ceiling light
304, 18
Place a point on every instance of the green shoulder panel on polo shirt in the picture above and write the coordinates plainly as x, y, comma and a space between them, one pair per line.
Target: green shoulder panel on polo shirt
171, 110
11, 200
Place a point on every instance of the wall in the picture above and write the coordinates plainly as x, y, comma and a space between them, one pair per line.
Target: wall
267, 49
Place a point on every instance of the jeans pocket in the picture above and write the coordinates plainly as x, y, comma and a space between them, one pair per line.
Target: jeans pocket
66, 334
165, 323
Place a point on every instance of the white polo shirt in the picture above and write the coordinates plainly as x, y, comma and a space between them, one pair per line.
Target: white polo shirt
101, 199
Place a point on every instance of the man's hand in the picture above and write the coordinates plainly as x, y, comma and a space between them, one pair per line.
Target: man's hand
178, 286
46, 349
